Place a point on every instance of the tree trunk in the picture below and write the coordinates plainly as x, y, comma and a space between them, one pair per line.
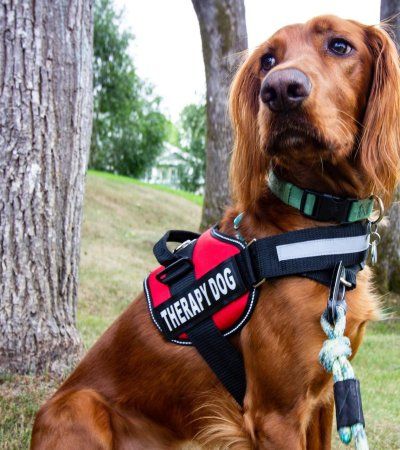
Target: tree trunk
390, 10
388, 269
45, 120
223, 35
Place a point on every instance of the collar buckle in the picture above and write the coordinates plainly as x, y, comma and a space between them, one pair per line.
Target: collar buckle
327, 208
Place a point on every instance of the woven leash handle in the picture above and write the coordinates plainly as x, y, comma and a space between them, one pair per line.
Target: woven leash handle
333, 357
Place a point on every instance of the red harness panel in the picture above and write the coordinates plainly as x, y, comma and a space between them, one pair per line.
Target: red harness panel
210, 250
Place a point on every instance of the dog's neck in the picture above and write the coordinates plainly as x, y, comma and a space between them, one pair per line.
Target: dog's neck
340, 179
271, 215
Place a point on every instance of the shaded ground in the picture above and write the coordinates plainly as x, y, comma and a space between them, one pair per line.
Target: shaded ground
121, 223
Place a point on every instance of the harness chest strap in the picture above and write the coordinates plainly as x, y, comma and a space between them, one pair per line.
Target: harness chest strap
191, 309
309, 250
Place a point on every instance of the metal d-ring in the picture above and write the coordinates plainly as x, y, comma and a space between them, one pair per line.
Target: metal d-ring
381, 209
377, 238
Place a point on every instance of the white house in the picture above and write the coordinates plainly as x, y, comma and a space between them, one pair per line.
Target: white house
165, 169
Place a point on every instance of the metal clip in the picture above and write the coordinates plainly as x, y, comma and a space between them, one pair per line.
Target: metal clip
337, 292
374, 236
375, 239
183, 245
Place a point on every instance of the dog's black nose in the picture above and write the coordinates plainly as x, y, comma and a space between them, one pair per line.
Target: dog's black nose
286, 89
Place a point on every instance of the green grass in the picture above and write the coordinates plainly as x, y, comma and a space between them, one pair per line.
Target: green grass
122, 220
195, 198
20, 397
377, 365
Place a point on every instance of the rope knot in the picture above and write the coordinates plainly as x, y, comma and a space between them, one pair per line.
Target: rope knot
333, 357
334, 349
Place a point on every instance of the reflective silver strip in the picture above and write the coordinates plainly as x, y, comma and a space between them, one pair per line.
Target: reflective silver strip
322, 247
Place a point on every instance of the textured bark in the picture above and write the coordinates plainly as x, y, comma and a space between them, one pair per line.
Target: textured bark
223, 35
45, 120
390, 10
388, 269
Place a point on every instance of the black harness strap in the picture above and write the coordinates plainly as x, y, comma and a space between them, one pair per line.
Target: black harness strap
325, 276
220, 355
163, 253
312, 253
266, 262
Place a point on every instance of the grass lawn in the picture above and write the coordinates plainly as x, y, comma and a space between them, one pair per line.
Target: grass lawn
122, 220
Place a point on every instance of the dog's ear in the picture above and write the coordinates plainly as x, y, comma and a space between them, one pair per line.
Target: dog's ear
248, 164
380, 140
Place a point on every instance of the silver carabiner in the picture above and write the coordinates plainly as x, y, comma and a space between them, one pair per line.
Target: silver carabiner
375, 239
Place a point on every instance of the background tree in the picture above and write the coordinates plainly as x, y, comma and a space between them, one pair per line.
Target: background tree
388, 270
390, 12
45, 121
223, 35
171, 133
192, 140
128, 129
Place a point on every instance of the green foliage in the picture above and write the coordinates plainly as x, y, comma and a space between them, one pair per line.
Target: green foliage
172, 134
128, 129
192, 128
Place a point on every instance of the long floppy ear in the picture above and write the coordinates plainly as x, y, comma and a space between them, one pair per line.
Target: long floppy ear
380, 141
248, 163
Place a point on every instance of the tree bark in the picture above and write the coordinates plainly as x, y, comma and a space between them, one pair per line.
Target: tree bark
45, 120
223, 35
390, 10
388, 269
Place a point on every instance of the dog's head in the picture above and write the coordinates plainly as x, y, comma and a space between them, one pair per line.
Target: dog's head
324, 91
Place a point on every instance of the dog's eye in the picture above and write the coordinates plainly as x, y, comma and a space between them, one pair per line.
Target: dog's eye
339, 46
268, 61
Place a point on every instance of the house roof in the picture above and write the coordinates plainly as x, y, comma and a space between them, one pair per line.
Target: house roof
173, 156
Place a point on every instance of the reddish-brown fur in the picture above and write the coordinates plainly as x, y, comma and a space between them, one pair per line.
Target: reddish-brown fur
134, 390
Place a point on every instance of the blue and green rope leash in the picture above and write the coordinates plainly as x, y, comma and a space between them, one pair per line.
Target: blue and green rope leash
333, 356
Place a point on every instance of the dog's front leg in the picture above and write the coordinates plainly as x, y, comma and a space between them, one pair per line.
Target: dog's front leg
275, 430
319, 431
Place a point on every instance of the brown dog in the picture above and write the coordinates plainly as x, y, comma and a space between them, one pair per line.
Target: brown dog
336, 130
